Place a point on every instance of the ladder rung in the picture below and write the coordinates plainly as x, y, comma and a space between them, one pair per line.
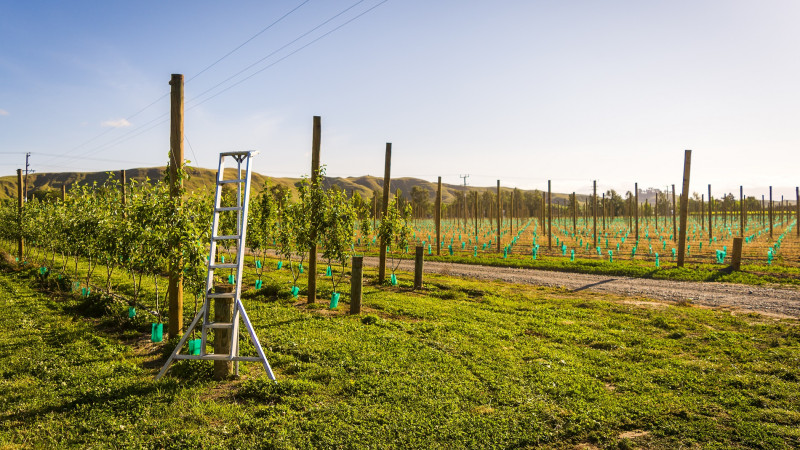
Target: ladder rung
223, 266
228, 236
218, 325
228, 208
218, 357
223, 295
234, 180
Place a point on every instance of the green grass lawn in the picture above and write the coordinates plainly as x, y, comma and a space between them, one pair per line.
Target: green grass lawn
460, 364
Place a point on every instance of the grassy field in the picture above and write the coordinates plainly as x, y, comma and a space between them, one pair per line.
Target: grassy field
460, 364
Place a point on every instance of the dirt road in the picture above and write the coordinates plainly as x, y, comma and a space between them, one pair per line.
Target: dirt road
768, 300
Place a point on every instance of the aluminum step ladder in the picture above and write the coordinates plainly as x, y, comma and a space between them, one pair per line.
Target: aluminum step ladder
239, 313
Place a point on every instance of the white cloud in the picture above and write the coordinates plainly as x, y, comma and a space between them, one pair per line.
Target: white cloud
120, 123
3, 112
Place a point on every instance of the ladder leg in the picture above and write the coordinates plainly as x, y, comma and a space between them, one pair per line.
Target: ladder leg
257, 345
180, 344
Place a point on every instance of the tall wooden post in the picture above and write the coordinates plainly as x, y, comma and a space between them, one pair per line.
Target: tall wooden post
797, 206
742, 211
770, 212
574, 214
439, 217
316, 141
511, 215
499, 214
710, 215
476, 216
20, 201
655, 209
674, 212
63, 192
594, 212
355, 284
175, 288
636, 210
702, 212
549, 215
603, 209
687, 162
386, 180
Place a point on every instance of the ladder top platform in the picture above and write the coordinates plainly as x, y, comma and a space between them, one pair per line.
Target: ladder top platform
245, 153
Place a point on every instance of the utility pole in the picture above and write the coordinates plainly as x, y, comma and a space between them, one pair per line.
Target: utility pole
465, 178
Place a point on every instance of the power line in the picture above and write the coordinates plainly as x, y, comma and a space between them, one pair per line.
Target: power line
274, 52
245, 42
288, 55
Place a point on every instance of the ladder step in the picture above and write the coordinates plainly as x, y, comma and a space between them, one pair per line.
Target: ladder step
223, 266
218, 325
223, 295
234, 180
218, 357
228, 208
225, 237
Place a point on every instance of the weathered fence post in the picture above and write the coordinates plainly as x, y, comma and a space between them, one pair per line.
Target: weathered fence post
594, 211
123, 181
770, 212
439, 217
356, 276
636, 209
499, 214
574, 213
511, 215
175, 288
418, 261
710, 215
63, 192
312, 250
549, 215
687, 162
742, 211
674, 213
20, 201
223, 313
386, 181
736, 260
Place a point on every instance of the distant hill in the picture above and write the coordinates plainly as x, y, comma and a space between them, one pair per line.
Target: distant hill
203, 179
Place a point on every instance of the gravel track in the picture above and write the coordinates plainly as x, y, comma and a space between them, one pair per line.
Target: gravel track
777, 301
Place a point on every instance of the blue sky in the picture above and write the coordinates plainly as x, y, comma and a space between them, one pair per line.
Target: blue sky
521, 91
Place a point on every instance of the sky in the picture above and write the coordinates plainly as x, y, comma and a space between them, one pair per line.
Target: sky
517, 91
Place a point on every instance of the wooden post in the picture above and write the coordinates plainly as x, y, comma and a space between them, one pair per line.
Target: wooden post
175, 288
674, 212
742, 211
476, 216
386, 181
736, 260
63, 192
702, 212
223, 313
355, 284
797, 206
499, 214
439, 216
574, 214
770, 212
511, 215
20, 201
594, 212
312, 250
710, 215
549, 215
418, 261
687, 162
636, 210
603, 208
656, 211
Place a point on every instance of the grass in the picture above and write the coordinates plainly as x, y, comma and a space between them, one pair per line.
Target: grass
459, 364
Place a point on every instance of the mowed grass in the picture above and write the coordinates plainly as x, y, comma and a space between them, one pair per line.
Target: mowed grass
460, 364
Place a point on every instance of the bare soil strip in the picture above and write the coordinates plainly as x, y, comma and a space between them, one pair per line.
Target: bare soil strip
775, 301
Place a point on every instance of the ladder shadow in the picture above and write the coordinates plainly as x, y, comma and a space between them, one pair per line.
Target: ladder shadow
589, 286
